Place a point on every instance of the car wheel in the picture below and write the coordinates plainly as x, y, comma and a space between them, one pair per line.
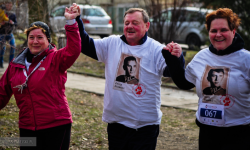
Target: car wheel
193, 42
103, 35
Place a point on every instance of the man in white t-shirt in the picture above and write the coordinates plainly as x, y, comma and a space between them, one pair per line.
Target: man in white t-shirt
132, 111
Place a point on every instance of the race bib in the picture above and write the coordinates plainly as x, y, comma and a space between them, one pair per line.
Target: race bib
211, 114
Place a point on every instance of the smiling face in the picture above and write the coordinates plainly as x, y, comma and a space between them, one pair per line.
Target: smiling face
134, 28
37, 41
220, 34
8, 6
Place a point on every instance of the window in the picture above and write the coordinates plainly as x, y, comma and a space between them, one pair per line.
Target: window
93, 12
193, 16
58, 12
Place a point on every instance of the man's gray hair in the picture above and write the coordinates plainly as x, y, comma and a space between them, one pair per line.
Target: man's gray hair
143, 12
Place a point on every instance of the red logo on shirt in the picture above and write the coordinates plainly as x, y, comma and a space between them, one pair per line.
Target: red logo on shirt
227, 100
139, 90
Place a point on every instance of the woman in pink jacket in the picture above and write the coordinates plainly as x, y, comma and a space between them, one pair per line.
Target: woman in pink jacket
37, 79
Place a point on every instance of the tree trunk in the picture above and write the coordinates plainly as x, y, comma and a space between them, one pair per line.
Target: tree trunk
38, 11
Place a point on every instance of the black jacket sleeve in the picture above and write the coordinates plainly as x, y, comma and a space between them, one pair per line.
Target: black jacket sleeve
87, 43
13, 18
176, 70
166, 72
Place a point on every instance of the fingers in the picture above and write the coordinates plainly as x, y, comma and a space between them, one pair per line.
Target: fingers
72, 12
79, 10
168, 47
66, 9
174, 48
177, 50
75, 9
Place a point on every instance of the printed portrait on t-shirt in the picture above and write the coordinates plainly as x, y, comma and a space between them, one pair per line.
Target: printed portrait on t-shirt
128, 71
214, 84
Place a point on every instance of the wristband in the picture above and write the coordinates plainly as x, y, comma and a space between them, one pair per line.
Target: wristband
70, 22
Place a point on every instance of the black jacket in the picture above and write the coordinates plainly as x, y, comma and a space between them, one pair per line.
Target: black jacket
8, 28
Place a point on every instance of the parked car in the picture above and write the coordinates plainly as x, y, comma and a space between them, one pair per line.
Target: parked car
190, 31
96, 20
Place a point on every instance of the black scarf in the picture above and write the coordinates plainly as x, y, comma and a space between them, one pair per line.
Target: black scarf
143, 40
29, 56
237, 44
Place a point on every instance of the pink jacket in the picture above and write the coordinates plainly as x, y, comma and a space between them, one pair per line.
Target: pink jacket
42, 103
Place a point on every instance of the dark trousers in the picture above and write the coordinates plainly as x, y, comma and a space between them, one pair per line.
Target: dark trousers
121, 137
224, 138
56, 138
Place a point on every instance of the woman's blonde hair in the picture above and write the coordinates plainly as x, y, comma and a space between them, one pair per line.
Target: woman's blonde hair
27, 31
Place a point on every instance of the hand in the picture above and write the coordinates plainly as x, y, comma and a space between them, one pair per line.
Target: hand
11, 22
75, 8
72, 12
2, 23
174, 48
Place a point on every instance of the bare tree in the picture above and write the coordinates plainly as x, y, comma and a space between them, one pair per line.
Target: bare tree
157, 9
176, 17
154, 9
38, 11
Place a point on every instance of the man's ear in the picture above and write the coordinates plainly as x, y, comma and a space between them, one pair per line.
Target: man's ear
147, 26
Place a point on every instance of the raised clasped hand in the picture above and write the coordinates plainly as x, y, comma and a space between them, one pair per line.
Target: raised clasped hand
174, 48
72, 12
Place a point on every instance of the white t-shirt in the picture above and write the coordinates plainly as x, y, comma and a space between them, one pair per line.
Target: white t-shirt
134, 100
231, 86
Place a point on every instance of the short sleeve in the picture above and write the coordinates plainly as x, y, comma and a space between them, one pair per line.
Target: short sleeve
189, 73
101, 49
160, 61
103, 46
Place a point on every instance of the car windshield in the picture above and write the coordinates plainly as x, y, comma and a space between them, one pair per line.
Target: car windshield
164, 16
93, 12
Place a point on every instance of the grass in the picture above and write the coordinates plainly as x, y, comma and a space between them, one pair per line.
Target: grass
9, 122
85, 64
88, 130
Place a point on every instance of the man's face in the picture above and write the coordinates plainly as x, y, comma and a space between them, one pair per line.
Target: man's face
217, 77
131, 68
8, 6
134, 28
